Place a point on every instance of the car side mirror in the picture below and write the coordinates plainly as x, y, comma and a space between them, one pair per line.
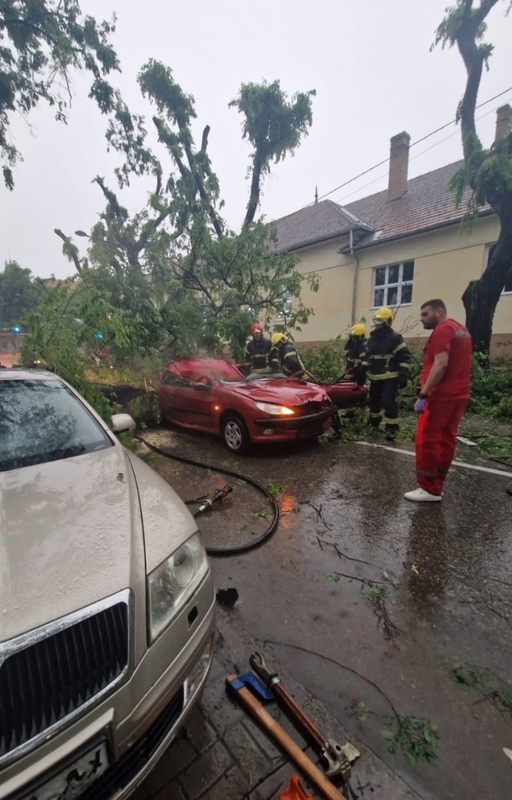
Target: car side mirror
122, 422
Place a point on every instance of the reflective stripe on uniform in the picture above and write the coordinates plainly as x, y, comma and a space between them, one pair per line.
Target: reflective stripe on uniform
382, 376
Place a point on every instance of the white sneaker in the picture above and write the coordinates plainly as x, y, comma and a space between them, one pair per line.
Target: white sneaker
422, 496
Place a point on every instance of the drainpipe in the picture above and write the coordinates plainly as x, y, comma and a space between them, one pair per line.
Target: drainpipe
354, 279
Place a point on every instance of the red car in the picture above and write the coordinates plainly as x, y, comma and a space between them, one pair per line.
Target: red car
346, 394
212, 395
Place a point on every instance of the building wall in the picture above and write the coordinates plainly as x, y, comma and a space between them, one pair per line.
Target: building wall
444, 261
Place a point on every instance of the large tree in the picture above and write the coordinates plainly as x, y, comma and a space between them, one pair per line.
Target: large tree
191, 281
19, 292
488, 172
41, 43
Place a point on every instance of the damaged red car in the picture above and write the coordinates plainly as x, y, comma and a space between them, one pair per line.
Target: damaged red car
212, 395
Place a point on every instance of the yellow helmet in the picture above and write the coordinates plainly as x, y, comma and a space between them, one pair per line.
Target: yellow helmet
358, 329
383, 315
277, 338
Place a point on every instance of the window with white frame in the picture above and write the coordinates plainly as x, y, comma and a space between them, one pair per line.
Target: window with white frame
507, 289
392, 285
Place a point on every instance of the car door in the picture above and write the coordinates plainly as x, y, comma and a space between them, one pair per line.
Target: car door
194, 403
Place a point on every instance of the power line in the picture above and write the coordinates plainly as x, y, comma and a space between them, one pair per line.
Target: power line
418, 155
427, 136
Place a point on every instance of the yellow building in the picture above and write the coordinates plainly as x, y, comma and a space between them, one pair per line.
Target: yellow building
396, 248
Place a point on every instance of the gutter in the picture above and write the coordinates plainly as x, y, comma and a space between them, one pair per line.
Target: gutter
354, 277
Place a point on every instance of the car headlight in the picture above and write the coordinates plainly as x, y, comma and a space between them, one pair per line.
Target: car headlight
273, 408
172, 583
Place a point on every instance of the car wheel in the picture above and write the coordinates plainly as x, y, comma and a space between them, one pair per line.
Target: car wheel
235, 434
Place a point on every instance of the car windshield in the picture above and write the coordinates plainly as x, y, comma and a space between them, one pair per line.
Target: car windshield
41, 420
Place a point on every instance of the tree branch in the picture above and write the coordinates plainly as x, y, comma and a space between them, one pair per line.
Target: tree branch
70, 250
254, 197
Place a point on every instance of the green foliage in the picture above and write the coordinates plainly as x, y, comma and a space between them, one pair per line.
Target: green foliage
19, 292
326, 361
145, 409
491, 389
274, 127
192, 285
275, 489
417, 738
376, 594
61, 335
492, 688
42, 41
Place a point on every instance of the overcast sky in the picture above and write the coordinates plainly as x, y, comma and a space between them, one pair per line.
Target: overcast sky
368, 60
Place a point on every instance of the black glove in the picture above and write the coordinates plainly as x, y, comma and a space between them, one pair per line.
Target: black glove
402, 381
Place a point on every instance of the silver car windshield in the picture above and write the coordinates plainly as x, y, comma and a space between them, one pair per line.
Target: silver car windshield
41, 420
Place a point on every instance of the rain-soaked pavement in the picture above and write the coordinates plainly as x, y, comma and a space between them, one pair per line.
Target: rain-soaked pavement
384, 610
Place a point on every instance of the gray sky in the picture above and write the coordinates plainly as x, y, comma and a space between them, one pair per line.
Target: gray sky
368, 60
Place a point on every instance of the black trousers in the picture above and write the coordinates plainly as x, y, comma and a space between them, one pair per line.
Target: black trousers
383, 403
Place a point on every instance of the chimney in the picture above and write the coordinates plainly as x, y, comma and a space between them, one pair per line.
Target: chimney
398, 165
503, 122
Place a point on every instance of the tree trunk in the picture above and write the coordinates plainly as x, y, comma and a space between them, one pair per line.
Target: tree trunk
254, 197
481, 296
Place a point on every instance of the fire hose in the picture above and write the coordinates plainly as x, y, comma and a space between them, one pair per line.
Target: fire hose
208, 503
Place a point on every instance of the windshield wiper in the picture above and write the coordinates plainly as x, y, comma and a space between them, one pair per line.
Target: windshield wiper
69, 451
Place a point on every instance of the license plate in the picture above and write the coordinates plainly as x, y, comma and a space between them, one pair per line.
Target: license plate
77, 776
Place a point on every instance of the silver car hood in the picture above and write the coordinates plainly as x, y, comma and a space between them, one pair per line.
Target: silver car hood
70, 534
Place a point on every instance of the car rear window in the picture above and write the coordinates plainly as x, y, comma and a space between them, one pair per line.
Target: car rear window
41, 420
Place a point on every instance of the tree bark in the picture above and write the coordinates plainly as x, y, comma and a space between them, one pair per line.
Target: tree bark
481, 296
254, 197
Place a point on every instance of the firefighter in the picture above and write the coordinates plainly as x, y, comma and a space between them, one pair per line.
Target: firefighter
257, 350
285, 358
355, 354
388, 371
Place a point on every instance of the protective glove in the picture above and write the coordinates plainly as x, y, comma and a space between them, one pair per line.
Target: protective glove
402, 381
420, 405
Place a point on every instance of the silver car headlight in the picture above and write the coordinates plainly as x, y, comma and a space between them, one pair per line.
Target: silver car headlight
172, 583
275, 409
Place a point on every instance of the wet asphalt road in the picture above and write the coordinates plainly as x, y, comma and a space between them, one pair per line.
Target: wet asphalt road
378, 606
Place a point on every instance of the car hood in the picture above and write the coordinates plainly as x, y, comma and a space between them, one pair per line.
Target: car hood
70, 534
292, 393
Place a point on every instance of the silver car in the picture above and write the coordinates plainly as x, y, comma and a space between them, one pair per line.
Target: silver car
106, 601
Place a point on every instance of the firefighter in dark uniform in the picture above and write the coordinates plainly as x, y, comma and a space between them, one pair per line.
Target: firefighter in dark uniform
388, 371
355, 354
285, 358
257, 350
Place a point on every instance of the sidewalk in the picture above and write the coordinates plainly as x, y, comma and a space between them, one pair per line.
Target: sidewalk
224, 755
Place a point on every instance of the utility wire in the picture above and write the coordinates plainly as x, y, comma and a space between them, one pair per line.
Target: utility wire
427, 136
417, 155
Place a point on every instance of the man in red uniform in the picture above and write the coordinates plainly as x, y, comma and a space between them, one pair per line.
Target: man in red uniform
445, 385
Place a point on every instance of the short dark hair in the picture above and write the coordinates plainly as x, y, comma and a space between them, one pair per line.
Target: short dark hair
436, 304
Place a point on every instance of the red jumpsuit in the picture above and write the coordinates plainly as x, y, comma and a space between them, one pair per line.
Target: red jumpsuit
436, 436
